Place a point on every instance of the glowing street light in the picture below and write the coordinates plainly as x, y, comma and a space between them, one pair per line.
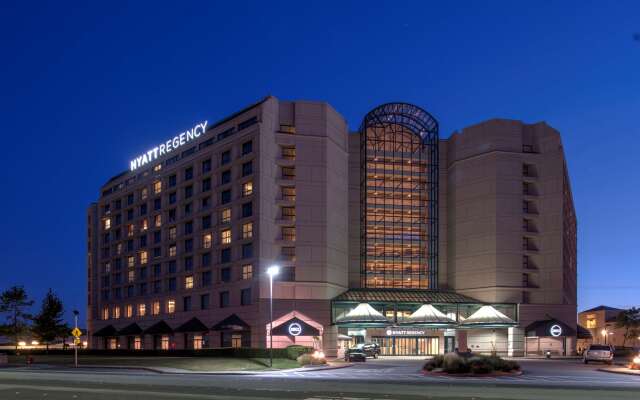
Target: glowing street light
271, 271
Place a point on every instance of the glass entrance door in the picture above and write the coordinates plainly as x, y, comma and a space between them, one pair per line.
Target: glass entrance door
407, 345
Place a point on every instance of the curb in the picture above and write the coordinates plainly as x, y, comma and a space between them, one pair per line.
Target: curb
629, 372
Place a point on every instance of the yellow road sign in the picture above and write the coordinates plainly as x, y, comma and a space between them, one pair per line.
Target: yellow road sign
76, 332
76, 341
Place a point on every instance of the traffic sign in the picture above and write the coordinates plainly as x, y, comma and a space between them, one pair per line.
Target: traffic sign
76, 341
76, 332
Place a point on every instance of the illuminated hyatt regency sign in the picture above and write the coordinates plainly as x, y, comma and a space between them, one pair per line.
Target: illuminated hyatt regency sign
168, 146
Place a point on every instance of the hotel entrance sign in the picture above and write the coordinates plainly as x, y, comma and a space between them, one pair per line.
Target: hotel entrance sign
168, 146
405, 332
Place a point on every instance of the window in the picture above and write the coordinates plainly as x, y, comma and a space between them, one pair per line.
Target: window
225, 255
188, 173
225, 196
206, 184
131, 261
171, 267
116, 312
172, 233
245, 297
289, 233
157, 204
172, 250
143, 257
287, 274
157, 188
171, 306
205, 203
107, 223
247, 147
157, 221
144, 225
225, 216
188, 245
245, 124
143, 273
288, 173
130, 214
186, 303
206, 241
119, 248
144, 192
288, 152
289, 213
247, 188
224, 299
188, 191
171, 283
206, 259
247, 230
143, 241
206, 166
188, 263
206, 278
225, 177
156, 270
164, 342
247, 210
288, 253
225, 157
247, 271
247, 250
130, 245
188, 227
288, 193
157, 236
247, 168
172, 180
204, 301
157, 168
131, 275
225, 274
173, 196
225, 236
128, 311
130, 230
142, 309
525, 280
591, 322
130, 199
157, 287
188, 282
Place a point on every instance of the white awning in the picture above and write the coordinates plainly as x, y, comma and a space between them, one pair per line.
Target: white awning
487, 316
428, 315
363, 314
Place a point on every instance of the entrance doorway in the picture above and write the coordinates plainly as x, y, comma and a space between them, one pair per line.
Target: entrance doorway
449, 344
407, 345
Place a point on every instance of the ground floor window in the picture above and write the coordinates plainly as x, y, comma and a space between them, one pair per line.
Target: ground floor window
197, 342
112, 343
137, 343
236, 339
407, 345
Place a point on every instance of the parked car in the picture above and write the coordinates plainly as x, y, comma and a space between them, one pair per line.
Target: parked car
598, 352
355, 354
371, 349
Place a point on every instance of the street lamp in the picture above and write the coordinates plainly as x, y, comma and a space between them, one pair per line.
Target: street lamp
604, 334
271, 271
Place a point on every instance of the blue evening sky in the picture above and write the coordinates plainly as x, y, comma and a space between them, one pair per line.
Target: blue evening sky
85, 86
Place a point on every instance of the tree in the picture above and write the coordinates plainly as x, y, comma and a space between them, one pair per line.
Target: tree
48, 323
13, 302
630, 321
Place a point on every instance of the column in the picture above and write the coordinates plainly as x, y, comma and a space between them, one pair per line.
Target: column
516, 342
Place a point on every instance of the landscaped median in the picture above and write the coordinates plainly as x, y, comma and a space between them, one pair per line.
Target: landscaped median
206, 360
469, 364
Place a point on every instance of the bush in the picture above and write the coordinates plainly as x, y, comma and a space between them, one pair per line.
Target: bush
454, 364
308, 359
435, 362
480, 365
295, 351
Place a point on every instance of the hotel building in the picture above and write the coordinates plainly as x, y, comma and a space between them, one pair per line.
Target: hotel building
388, 234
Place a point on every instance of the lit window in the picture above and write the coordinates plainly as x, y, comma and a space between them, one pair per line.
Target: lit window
142, 309
225, 216
289, 213
143, 193
156, 308
188, 282
157, 221
157, 167
247, 230
157, 187
116, 312
288, 172
288, 152
247, 188
247, 271
289, 193
226, 236
131, 261
130, 229
105, 313
137, 343
143, 257
172, 233
289, 233
164, 342
145, 225
171, 306
131, 275
172, 250
128, 313
119, 248
591, 322
206, 241
107, 223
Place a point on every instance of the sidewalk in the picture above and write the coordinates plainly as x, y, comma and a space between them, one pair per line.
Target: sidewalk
621, 370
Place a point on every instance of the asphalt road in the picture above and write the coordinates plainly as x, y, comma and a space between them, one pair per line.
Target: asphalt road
380, 379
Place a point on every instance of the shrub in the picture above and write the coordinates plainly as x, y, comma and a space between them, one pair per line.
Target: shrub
435, 362
454, 364
295, 351
308, 359
480, 365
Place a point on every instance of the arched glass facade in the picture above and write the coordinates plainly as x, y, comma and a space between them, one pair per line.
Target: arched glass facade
399, 198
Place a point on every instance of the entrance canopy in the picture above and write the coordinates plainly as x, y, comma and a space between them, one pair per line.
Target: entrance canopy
488, 317
428, 315
296, 327
363, 314
549, 327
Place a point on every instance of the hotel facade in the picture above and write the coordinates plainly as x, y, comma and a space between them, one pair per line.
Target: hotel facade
390, 234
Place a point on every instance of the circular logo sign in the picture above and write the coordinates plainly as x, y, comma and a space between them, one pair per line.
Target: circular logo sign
295, 329
555, 330
389, 332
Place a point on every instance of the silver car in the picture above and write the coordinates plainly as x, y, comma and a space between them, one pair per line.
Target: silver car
599, 352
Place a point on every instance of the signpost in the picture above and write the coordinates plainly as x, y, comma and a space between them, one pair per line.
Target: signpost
76, 337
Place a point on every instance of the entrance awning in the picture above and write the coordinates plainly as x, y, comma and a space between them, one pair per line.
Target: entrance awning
107, 331
192, 325
295, 327
130, 330
363, 314
231, 323
487, 317
549, 327
159, 328
428, 315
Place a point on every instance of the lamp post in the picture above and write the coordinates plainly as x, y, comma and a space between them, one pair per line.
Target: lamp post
271, 271
75, 346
